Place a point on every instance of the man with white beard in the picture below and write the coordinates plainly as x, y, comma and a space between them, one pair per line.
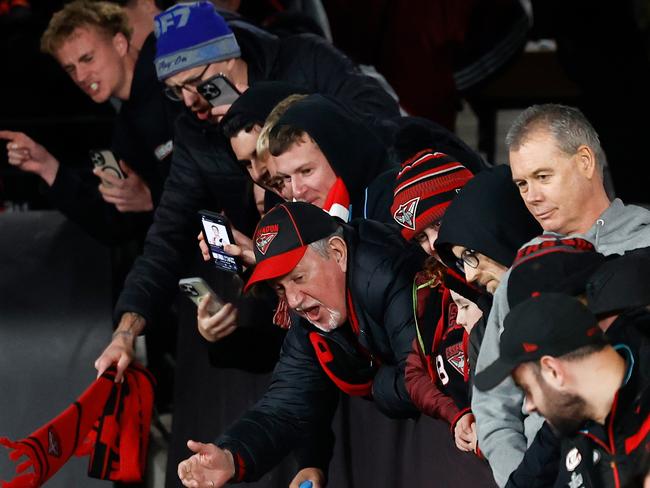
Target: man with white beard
351, 283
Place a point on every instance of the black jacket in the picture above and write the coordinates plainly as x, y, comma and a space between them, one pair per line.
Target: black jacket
539, 468
142, 136
204, 173
612, 455
302, 396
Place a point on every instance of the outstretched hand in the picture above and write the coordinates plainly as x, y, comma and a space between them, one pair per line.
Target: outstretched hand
208, 467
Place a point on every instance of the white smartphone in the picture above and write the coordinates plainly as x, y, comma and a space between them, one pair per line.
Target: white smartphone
105, 160
196, 289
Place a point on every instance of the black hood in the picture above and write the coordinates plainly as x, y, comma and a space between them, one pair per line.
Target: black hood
355, 153
488, 216
256, 103
259, 49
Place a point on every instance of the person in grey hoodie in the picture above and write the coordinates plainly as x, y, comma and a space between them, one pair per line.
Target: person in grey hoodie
557, 165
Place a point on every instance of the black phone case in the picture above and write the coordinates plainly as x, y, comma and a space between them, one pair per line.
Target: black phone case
221, 220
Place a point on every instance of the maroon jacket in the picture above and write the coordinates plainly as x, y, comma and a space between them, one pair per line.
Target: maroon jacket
437, 366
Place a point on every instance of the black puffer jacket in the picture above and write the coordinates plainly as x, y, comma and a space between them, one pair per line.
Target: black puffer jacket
301, 396
204, 173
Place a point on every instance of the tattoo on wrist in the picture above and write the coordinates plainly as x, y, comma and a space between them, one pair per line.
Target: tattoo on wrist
126, 333
131, 325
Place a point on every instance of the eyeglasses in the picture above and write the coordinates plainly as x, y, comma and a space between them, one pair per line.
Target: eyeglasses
467, 257
175, 92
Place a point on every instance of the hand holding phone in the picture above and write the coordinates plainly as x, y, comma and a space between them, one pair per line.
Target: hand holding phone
219, 320
105, 161
217, 234
218, 90
196, 289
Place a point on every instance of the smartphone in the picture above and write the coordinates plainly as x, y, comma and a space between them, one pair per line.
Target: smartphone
218, 90
196, 289
217, 233
105, 160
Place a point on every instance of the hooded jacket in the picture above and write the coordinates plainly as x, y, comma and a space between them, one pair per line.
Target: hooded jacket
504, 429
352, 149
302, 396
204, 173
479, 218
255, 104
487, 216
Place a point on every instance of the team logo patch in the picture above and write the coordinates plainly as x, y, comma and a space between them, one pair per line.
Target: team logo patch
405, 213
456, 358
265, 236
573, 458
53, 443
164, 150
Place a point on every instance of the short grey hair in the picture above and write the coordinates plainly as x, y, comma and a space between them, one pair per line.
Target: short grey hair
568, 125
322, 246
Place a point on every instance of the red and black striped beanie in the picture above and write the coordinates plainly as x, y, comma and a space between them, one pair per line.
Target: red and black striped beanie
424, 188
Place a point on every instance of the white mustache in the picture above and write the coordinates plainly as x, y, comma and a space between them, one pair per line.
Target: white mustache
334, 318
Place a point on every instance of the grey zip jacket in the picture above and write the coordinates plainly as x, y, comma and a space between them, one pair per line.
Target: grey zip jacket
504, 428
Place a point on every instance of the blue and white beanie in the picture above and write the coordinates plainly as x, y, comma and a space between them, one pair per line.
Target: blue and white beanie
189, 35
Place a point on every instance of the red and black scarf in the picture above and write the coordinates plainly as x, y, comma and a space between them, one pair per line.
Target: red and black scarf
109, 422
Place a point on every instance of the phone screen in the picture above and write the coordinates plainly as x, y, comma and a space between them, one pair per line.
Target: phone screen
216, 236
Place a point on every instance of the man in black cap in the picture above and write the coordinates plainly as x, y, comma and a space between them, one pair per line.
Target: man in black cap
594, 396
351, 287
616, 293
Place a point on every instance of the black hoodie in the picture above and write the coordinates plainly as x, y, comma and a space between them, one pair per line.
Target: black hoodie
353, 150
487, 216
490, 217
255, 104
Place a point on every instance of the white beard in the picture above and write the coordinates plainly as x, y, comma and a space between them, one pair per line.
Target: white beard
332, 323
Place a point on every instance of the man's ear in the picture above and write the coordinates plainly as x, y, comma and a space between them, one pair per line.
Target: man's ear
586, 160
339, 252
121, 44
553, 371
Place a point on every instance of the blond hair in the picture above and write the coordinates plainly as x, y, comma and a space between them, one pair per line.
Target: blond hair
263, 141
107, 17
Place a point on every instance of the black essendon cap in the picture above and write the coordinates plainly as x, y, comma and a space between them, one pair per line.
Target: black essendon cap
282, 236
548, 324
